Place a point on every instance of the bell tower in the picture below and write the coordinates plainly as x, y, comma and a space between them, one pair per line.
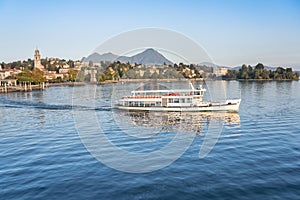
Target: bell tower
37, 60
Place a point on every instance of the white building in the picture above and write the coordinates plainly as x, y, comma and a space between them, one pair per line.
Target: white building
220, 71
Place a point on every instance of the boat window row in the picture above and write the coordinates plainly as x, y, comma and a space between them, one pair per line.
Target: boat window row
141, 103
180, 100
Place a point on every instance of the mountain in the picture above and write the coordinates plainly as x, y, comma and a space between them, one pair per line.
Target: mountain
96, 57
236, 68
208, 64
147, 57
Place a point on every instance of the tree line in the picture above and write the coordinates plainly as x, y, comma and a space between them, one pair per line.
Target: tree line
260, 73
34, 76
118, 70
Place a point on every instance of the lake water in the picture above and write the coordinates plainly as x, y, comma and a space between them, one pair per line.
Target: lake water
44, 154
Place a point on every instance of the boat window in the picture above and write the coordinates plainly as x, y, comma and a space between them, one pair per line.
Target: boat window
197, 93
176, 100
182, 100
170, 100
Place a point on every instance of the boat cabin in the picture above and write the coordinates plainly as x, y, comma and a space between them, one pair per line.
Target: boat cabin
164, 98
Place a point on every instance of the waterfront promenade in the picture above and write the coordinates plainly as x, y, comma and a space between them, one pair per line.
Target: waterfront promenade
28, 87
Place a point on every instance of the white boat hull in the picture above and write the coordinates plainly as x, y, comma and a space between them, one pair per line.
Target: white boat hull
228, 106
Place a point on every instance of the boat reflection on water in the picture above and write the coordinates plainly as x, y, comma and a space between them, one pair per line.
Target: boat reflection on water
176, 121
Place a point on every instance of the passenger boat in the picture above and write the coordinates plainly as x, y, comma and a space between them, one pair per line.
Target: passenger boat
188, 100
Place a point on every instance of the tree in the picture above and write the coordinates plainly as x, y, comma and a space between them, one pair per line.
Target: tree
259, 66
35, 76
280, 70
295, 76
289, 73
231, 74
71, 63
243, 72
72, 75
265, 74
250, 72
38, 76
25, 76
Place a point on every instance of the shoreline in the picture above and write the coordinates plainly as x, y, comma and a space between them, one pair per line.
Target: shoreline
174, 79
66, 84
146, 80
10, 89
261, 80
30, 88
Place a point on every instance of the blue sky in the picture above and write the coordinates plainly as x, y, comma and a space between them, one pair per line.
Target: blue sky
232, 32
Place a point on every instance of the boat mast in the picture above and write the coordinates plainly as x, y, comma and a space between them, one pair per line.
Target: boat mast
191, 84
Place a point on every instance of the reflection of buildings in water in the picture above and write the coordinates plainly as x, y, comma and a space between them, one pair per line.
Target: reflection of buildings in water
178, 121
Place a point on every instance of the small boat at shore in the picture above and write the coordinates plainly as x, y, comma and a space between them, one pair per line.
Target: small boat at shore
181, 100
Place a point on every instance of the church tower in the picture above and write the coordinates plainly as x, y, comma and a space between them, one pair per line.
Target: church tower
37, 60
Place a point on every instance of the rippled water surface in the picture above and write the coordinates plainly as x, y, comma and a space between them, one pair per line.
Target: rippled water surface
256, 157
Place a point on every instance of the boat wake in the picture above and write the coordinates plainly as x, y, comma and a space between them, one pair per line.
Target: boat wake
44, 106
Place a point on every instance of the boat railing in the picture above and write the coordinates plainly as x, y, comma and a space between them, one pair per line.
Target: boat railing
142, 97
155, 96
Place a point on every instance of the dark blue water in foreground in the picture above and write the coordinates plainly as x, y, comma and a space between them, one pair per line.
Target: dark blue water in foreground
256, 157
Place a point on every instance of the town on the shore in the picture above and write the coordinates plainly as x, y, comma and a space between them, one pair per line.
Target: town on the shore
38, 72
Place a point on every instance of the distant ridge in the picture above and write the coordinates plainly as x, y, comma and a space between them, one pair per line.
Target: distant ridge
208, 64
152, 57
96, 57
147, 57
